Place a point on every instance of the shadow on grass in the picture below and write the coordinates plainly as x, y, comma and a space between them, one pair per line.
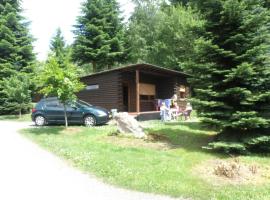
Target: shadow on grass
191, 125
47, 130
9, 117
190, 136
24, 117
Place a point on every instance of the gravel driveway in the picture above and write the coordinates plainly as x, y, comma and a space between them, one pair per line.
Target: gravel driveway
28, 172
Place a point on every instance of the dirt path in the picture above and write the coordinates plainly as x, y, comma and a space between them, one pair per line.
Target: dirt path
28, 172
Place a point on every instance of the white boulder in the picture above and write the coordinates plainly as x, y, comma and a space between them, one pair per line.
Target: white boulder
127, 124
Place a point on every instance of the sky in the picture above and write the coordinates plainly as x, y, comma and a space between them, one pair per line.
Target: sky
47, 15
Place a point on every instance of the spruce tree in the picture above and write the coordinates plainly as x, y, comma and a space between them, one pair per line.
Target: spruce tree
60, 50
16, 50
17, 90
58, 46
99, 34
232, 73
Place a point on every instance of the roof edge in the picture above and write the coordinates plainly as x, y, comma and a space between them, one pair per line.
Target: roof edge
134, 65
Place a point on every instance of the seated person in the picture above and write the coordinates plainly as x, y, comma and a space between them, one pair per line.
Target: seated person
174, 99
187, 111
164, 112
175, 111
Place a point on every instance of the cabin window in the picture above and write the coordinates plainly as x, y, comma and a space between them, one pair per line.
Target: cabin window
92, 87
147, 89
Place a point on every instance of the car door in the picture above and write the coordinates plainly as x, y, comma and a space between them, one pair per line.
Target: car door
74, 113
54, 111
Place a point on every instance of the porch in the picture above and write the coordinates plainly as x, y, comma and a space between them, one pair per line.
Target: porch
144, 116
142, 87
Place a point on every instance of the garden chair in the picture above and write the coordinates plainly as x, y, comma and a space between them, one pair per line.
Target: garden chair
187, 114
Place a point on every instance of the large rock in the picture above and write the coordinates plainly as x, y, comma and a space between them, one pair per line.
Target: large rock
127, 124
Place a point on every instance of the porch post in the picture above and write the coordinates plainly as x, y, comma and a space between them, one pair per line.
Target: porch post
137, 91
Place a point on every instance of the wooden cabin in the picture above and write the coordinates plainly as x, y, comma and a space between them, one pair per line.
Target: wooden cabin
134, 88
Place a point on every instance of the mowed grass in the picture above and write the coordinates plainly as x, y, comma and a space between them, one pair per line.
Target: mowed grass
24, 118
170, 171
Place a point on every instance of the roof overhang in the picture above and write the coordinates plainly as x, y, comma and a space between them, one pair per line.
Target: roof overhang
141, 66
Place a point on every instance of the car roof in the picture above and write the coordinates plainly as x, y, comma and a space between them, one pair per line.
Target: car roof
49, 99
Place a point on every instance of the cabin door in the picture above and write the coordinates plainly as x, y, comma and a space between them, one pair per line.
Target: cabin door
126, 97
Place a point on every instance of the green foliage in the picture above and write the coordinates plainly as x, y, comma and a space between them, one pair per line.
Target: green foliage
16, 89
231, 69
15, 42
244, 144
59, 48
228, 147
163, 36
59, 81
99, 35
260, 143
16, 50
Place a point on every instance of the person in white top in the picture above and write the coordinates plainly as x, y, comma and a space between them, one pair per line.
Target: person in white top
187, 111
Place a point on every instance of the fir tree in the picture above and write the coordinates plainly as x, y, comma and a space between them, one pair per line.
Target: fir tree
58, 47
232, 73
16, 50
99, 34
17, 90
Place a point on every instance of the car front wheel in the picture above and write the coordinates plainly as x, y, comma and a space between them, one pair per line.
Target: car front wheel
40, 120
90, 120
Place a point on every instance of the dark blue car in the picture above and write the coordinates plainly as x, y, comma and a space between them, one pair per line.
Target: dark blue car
50, 110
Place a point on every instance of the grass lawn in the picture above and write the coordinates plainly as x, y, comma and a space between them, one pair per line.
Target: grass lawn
167, 164
26, 117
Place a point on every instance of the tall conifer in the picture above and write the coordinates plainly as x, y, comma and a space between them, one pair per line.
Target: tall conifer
59, 48
99, 34
16, 50
232, 73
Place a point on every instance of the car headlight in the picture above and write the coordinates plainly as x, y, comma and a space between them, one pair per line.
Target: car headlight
101, 113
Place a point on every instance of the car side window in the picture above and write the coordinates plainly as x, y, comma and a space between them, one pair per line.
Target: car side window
53, 104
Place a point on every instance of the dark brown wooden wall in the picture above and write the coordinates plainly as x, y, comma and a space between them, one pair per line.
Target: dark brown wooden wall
129, 78
166, 87
108, 94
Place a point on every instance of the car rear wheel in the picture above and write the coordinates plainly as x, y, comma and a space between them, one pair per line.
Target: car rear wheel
90, 120
40, 120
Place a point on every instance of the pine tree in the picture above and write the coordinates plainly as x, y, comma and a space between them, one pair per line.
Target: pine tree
58, 46
232, 73
16, 50
99, 34
17, 90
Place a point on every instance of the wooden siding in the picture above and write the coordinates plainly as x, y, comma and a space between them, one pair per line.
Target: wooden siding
108, 94
166, 87
129, 77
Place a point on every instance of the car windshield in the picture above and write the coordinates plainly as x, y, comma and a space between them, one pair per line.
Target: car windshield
83, 104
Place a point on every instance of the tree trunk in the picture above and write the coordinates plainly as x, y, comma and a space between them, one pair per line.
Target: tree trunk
20, 113
65, 112
109, 66
94, 66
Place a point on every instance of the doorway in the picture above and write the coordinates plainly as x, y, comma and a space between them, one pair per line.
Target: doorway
126, 99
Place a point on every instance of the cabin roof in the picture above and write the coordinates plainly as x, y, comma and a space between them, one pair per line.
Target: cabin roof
140, 66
